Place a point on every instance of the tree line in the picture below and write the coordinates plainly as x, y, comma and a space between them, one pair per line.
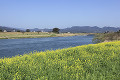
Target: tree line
55, 30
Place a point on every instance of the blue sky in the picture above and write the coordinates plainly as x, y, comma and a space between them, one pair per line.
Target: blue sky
59, 13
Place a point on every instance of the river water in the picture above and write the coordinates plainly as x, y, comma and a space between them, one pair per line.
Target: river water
12, 47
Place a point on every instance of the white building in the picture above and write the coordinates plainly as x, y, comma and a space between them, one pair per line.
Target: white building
4, 30
13, 31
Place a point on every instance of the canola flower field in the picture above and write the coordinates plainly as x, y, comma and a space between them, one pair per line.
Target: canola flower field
88, 62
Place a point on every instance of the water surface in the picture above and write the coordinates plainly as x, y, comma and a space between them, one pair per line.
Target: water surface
12, 47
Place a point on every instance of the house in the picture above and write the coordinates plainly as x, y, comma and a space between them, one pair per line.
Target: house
4, 30
13, 31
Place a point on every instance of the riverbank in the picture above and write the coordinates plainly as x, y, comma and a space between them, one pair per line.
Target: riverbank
17, 35
87, 62
106, 37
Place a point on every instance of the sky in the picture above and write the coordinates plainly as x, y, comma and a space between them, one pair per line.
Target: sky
59, 13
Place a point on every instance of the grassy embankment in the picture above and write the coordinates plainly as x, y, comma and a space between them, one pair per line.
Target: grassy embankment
106, 37
88, 62
16, 35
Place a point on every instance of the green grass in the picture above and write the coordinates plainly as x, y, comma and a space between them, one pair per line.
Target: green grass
88, 62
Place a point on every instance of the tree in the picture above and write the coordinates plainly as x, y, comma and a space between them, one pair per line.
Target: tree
38, 32
106, 32
56, 30
18, 30
0, 30
118, 31
27, 30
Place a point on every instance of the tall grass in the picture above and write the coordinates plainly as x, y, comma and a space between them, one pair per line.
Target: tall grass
88, 62
17, 35
102, 37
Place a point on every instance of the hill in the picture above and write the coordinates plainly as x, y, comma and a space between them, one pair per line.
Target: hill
9, 29
74, 29
82, 29
88, 62
42, 30
88, 29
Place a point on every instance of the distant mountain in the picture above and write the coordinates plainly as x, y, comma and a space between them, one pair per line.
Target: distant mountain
42, 30
74, 29
88, 29
8, 29
82, 29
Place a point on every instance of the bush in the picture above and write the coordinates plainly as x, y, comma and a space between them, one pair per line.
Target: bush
27, 30
101, 37
18, 30
0, 30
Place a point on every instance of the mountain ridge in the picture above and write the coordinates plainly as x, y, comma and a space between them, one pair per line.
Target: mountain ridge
9, 29
73, 29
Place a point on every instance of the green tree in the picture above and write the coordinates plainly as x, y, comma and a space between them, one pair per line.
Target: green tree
56, 30
38, 32
18, 30
0, 30
27, 30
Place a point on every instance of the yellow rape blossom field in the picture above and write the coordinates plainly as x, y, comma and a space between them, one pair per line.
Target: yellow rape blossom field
88, 62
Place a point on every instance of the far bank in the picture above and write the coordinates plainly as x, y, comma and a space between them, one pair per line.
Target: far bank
17, 35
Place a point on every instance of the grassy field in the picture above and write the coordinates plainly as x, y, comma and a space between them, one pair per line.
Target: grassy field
16, 35
88, 62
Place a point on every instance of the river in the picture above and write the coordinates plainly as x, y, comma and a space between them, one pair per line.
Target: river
12, 47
